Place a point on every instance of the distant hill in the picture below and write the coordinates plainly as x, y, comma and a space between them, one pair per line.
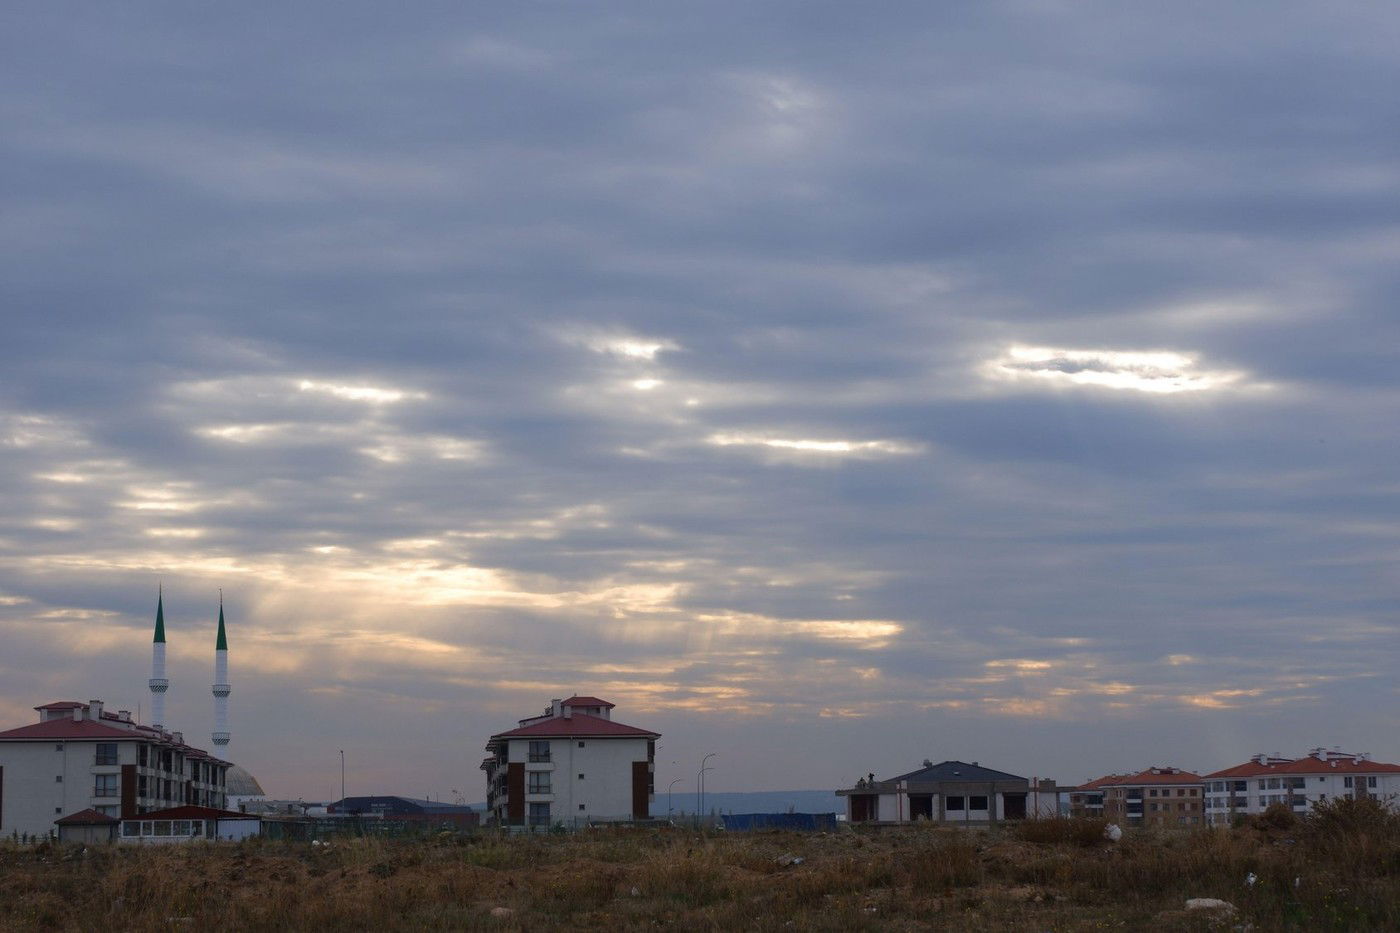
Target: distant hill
762, 801
765, 801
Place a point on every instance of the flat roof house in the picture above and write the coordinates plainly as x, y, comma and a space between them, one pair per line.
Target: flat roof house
951, 792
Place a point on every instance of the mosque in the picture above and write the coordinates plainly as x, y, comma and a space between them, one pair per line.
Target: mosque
82, 764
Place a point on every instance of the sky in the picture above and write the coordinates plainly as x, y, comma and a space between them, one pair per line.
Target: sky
831, 386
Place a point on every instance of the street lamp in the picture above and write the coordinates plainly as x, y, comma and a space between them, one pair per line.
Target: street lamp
700, 785
342, 777
668, 796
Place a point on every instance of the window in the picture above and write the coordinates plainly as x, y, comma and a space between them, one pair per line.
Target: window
539, 751
977, 803
131, 828
105, 785
1152, 807
146, 828
580, 806
539, 783
1152, 793
58, 779
1346, 781
1274, 784
142, 787
539, 814
1181, 792
58, 747
162, 827
141, 755
580, 745
106, 753
1370, 782
58, 810
953, 803
580, 777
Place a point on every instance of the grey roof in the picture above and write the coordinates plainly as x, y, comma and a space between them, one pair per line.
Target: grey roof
957, 771
239, 783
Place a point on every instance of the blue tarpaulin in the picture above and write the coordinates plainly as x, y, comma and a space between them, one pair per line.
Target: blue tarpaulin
811, 821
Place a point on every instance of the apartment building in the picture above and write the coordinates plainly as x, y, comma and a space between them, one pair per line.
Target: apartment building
1296, 783
1155, 797
1086, 800
79, 757
572, 765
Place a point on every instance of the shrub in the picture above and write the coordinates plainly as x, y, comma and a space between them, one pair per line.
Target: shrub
1077, 832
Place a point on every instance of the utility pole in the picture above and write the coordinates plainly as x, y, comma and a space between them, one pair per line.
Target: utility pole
342, 777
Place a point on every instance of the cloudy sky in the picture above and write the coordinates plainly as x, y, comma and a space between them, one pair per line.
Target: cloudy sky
829, 385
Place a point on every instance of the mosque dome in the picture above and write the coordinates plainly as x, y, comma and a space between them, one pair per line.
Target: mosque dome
239, 783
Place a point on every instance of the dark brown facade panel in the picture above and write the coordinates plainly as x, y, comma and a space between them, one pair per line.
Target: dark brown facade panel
641, 780
515, 793
128, 791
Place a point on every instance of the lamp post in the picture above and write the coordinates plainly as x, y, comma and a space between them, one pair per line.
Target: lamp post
700, 785
342, 777
668, 796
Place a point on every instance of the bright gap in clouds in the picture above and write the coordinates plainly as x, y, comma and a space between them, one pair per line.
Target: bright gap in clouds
359, 393
1155, 371
814, 446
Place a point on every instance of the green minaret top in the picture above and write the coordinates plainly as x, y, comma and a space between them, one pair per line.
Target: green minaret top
222, 643
160, 618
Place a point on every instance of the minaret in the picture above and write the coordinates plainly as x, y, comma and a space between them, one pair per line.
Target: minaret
158, 683
221, 686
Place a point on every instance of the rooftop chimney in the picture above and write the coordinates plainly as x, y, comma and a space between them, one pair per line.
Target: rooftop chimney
124, 715
95, 710
77, 714
556, 706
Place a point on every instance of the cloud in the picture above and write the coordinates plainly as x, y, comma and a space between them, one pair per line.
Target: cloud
1155, 372
939, 382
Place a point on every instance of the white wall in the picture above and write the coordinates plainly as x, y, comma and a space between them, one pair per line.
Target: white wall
32, 799
605, 791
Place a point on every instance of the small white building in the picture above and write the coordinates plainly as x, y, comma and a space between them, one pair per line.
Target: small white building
954, 792
189, 824
1297, 783
573, 765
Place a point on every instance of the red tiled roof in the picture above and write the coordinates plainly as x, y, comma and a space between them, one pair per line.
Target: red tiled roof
61, 729
88, 817
61, 704
66, 729
1154, 776
588, 701
580, 724
1307, 765
190, 812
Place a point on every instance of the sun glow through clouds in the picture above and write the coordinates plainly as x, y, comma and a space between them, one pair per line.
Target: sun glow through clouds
1155, 371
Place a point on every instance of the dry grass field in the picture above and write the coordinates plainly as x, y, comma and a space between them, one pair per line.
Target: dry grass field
1337, 870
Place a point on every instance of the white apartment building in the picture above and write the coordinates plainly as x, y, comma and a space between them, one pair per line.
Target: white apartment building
573, 765
1324, 774
78, 757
